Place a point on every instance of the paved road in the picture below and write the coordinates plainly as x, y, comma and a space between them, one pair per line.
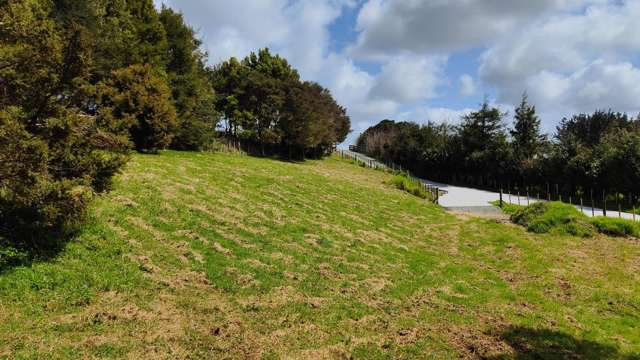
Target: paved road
476, 200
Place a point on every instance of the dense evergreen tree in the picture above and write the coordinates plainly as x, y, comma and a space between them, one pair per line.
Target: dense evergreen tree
192, 92
528, 144
79, 82
484, 141
138, 100
526, 136
54, 156
265, 103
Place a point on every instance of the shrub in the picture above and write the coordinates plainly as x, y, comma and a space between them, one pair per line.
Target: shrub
49, 176
506, 207
403, 182
138, 101
616, 227
553, 217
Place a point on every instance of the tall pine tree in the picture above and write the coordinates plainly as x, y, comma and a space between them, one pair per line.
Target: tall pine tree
526, 136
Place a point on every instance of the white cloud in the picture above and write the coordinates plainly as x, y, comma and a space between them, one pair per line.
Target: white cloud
234, 28
407, 79
570, 62
446, 25
599, 85
422, 115
467, 85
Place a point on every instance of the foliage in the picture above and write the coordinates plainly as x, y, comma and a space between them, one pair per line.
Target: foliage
553, 217
599, 151
506, 207
188, 78
49, 177
527, 143
263, 101
528, 215
54, 156
616, 226
593, 150
403, 182
138, 100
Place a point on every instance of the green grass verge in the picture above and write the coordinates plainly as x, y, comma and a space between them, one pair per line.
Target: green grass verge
557, 217
197, 255
616, 226
403, 182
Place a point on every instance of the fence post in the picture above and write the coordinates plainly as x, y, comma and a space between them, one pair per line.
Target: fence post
619, 205
604, 203
593, 206
501, 198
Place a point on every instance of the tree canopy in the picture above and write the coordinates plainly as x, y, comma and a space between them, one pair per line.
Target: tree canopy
599, 151
264, 102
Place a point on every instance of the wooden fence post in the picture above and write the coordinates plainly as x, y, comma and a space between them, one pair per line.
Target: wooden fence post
593, 205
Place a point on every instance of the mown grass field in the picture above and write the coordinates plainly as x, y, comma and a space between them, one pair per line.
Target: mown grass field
227, 256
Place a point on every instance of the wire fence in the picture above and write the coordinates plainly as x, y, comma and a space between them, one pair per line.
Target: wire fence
592, 201
433, 191
608, 204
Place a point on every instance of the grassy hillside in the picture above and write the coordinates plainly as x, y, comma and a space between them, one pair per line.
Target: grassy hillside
227, 256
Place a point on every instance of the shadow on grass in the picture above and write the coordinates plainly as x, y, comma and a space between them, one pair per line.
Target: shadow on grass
530, 343
16, 251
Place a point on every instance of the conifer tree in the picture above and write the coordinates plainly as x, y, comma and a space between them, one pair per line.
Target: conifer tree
526, 136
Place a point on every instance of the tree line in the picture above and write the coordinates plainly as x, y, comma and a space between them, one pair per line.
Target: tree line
84, 83
589, 152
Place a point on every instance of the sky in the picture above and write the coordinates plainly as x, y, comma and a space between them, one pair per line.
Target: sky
436, 60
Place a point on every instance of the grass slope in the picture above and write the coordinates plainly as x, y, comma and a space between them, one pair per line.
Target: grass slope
225, 256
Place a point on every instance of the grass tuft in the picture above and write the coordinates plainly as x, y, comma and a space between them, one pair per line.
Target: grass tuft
557, 217
616, 227
553, 217
403, 182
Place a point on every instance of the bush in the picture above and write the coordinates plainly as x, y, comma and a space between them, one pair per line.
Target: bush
616, 227
138, 101
403, 182
48, 176
553, 217
506, 207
